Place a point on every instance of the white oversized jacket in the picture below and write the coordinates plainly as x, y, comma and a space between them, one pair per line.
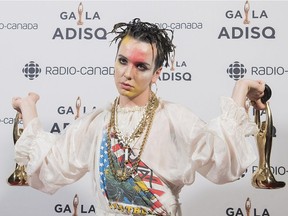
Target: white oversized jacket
179, 145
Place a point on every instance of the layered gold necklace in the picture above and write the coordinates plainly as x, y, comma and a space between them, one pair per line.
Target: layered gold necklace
124, 172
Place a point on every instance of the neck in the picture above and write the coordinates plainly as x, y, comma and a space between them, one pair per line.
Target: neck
131, 102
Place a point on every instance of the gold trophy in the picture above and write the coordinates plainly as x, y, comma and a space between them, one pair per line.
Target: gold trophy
80, 13
246, 10
19, 176
75, 204
263, 177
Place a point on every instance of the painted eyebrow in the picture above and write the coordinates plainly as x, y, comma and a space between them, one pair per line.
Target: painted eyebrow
138, 62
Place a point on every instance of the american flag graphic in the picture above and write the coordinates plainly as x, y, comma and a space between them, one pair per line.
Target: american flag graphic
149, 186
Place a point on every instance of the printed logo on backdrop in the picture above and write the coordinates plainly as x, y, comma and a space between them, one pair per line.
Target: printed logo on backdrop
75, 208
17, 25
194, 25
32, 70
77, 27
63, 110
178, 68
80, 24
176, 71
237, 70
247, 210
247, 26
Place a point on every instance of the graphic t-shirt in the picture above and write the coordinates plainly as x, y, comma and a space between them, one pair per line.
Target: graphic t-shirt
138, 195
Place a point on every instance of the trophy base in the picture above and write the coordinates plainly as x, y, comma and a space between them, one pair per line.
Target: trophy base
263, 179
18, 177
18, 184
268, 185
13, 180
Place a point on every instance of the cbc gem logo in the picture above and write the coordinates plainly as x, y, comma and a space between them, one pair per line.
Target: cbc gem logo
31, 70
236, 70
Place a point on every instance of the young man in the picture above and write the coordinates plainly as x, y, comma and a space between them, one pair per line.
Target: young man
141, 150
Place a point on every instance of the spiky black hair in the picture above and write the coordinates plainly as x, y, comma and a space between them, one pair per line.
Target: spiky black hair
150, 33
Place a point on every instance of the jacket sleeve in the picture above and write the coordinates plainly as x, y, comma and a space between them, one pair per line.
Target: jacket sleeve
227, 151
55, 160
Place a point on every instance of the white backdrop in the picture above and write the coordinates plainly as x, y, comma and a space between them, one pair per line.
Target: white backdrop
209, 35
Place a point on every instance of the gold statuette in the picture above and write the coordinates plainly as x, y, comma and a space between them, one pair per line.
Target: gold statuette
263, 177
19, 176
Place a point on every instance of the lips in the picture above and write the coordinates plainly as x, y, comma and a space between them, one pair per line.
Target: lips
125, 86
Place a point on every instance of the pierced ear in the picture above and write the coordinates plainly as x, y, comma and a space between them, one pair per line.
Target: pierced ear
156, 74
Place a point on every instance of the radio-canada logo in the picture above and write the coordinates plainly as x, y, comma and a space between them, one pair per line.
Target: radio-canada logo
31, 70
236, 70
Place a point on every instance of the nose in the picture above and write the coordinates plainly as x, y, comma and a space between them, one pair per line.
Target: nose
128, 72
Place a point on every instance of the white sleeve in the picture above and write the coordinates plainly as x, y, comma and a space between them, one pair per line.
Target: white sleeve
55, 160
181, 144
227, 149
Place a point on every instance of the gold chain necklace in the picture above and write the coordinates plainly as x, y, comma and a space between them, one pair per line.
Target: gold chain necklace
126, 140
123, 173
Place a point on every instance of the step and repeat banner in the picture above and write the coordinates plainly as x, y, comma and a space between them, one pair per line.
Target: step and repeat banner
61, 50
